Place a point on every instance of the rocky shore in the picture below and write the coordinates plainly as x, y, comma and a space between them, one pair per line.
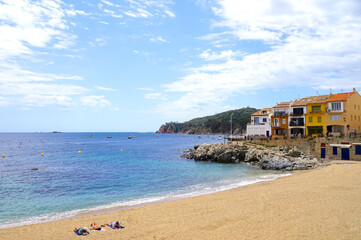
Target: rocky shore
266, 157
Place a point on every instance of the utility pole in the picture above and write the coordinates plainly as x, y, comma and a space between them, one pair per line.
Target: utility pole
231, 127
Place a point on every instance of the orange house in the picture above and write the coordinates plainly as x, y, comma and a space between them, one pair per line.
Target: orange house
279, 120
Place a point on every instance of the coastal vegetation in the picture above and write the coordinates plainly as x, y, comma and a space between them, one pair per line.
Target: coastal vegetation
215, 124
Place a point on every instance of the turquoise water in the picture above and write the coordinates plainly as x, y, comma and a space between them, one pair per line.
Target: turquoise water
148, 169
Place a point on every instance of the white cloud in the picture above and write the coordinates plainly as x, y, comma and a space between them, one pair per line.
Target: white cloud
105, 89
156, 96
310, 44
146, 89
137, 8
223, 55
27, 25
158, 39
44, 100
95, 101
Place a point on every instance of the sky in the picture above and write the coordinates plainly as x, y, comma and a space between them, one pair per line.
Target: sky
132, 65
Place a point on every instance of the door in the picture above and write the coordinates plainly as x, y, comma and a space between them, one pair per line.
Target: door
345, 153
267, 133
323, 152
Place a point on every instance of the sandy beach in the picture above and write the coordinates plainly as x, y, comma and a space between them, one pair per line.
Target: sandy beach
318, 204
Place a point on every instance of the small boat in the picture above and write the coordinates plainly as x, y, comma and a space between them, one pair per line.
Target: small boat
130, 137
109, 137
91, 136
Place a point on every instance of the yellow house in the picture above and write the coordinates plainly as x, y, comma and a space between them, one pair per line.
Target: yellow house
343, 113
315, 116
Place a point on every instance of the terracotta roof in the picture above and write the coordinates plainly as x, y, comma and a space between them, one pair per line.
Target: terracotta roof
282, 105
310, 100
340, 97
259, 113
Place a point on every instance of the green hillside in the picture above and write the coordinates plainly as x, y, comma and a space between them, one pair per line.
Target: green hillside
215, 124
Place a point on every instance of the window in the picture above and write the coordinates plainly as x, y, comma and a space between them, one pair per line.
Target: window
334, 150
298, 111
335, 117
283, 121
319, 119
336, 106
310, 119
358, 149
355, 107
256, 120
316, 109
351, 117
277, 122
264, 120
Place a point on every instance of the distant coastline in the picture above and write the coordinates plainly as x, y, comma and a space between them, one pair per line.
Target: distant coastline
216, 124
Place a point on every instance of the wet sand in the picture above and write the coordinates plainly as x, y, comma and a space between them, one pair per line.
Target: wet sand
323, 203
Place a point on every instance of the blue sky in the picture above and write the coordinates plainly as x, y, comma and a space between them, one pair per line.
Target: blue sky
131, 65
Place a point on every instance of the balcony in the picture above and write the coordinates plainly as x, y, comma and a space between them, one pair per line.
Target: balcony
297, 124
280, 114
296, 114
316, 112
256, 123
335, 111
276, 125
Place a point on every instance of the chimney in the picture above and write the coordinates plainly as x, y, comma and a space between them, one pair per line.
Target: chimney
354, 89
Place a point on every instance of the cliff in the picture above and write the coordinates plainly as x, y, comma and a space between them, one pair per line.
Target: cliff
215, 124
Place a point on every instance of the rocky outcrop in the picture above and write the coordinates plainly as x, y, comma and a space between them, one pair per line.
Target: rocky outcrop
276, 158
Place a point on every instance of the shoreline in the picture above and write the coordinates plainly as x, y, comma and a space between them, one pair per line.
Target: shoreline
136, 203
317, 204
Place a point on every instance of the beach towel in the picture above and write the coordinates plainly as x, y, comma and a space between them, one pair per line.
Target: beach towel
101, 230
111, 226
84, 234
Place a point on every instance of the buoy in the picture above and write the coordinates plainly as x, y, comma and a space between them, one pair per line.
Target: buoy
79, 152
121, 150
42, 154
3, 155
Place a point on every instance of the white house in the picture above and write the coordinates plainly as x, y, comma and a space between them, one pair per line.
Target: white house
260, 123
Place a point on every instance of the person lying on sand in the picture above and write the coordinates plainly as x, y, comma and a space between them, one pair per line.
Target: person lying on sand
114, 225
81, 231
94, 226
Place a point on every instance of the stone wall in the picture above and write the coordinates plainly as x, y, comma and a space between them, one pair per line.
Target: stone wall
312, 147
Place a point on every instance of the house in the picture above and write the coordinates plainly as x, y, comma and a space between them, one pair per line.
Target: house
343, 113
315, 116
260, 123
296, 118
279, 120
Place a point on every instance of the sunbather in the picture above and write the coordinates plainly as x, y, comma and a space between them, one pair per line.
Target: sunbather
81, 231
114, 225
94, 226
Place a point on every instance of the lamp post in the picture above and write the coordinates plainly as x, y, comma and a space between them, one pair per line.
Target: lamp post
231, 127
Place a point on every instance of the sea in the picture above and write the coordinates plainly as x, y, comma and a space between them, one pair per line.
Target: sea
78, 173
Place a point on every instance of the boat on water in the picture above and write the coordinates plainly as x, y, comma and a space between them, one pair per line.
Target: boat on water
91, 136
109, 137
130, 137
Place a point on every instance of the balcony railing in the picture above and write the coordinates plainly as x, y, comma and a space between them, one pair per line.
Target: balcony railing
256, 123
293, 124
296, 114
335, 111
316, 112
276, 125
280, 114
